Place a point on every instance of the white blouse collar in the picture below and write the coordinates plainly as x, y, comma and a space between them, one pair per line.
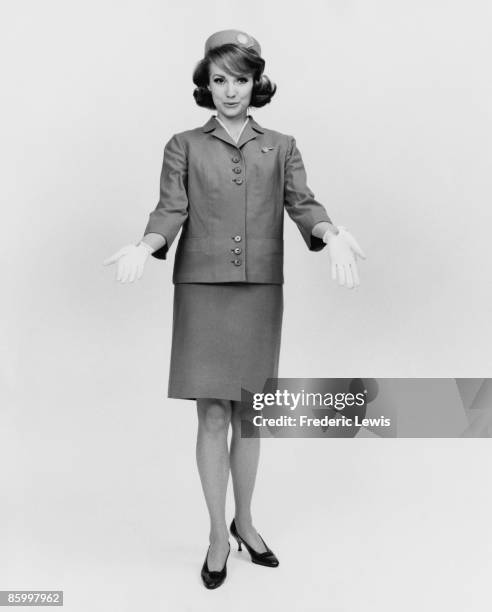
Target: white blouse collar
236, 140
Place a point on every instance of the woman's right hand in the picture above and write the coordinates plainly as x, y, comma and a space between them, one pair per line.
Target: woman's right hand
131, 261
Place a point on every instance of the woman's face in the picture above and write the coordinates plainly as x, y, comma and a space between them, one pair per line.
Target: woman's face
231, 94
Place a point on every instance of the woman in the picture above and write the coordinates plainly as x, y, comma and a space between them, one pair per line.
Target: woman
226, 185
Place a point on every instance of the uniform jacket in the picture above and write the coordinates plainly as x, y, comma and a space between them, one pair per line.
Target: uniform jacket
229, 200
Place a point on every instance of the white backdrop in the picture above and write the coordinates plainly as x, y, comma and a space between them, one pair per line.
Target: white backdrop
390, 103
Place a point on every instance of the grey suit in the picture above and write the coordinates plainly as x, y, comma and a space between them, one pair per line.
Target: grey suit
229, 199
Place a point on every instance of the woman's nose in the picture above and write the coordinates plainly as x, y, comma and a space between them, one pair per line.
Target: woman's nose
230, 91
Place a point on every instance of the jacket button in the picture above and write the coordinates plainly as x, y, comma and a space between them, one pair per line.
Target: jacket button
238, 181
237, 170
236, 159
236, 238
237, 251
236, 262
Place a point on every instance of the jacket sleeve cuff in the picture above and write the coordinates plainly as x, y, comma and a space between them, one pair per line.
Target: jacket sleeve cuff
313, 243
162, 252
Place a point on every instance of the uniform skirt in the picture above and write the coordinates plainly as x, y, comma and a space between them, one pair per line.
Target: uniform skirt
225, 337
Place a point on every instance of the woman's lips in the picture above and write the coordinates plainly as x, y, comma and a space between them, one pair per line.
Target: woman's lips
231, 103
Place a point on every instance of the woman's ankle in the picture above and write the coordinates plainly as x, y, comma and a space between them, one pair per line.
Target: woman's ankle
218, 535
243, 519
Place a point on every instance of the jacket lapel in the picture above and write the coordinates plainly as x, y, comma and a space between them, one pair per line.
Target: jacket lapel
250, 131
215, 129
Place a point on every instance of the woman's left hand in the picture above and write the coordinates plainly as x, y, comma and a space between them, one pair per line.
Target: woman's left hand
343, 249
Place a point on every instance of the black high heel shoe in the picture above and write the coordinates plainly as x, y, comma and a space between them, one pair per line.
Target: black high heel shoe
213, 579
267, 558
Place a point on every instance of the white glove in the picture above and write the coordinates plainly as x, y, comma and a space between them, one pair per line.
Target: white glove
342, 247
131, 261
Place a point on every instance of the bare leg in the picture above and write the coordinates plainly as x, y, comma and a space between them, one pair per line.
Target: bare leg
212, 458
244, 459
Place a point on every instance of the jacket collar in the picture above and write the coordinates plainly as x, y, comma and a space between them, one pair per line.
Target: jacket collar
249, 132
212, 124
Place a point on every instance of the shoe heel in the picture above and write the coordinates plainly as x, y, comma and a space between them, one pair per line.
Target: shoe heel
238, 542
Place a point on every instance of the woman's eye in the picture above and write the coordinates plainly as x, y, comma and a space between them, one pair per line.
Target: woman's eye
241, 80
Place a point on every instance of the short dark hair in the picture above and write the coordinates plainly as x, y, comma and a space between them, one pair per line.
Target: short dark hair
235, 60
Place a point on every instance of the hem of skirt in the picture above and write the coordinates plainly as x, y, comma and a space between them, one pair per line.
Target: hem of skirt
210, 389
